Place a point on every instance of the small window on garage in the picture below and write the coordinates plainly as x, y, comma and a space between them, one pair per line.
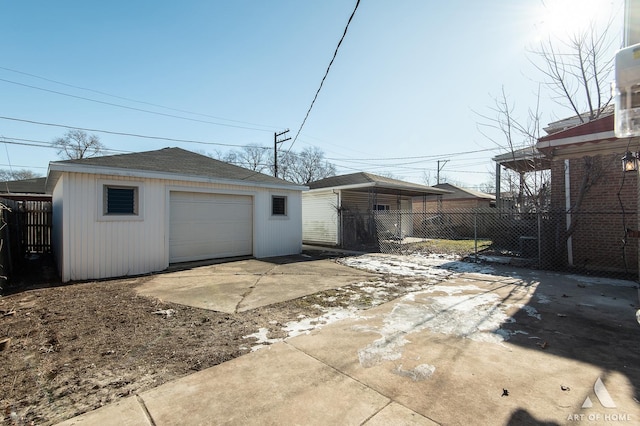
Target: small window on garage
120, 200
278, 205
381, 207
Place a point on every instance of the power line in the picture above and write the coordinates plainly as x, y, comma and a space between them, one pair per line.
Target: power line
126, 134
335, 53
44, 144
435, 156
24, 167
134, 100
132, 108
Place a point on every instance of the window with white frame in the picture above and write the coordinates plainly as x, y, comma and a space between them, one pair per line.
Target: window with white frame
278, 205
381, 207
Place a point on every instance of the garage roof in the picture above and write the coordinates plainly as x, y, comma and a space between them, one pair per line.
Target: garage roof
383, 185
170, 163
23, 186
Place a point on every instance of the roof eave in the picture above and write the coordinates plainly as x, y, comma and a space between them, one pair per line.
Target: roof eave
57, 168
408, 188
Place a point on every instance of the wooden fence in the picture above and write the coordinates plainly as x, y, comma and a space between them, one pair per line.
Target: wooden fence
25, 228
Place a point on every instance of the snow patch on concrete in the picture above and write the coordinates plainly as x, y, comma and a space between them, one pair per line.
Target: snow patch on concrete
531, 311
306, 325
383, 349
475, 316
430, 266
417, 374
543, 299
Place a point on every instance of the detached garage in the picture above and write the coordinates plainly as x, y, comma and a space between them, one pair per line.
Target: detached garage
136, 213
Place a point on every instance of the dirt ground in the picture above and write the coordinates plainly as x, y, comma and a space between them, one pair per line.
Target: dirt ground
69, 349
74, 348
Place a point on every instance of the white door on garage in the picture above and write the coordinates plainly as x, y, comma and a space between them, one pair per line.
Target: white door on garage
208, 226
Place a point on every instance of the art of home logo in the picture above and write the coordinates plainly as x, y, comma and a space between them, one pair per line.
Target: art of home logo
604, 398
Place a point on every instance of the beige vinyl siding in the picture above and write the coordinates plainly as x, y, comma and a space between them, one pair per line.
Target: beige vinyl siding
93, 248
320, 221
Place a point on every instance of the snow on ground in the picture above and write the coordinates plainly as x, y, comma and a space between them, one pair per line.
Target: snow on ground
466, 311
416, 265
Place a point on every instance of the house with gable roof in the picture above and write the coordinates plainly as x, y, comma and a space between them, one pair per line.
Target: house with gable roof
137, 213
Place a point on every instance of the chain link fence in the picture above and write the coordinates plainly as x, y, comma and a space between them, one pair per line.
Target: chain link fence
586, 242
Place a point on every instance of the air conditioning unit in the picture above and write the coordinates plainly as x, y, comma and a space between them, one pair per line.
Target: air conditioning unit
626, 92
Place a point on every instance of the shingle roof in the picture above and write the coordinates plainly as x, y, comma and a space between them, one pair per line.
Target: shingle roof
175, 161
458, 192
370, 180
24, 186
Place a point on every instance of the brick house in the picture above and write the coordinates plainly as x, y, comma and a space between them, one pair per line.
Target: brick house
457, 198
592, 199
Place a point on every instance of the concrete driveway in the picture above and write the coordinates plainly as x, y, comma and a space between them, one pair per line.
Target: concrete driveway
513, 347
242, 285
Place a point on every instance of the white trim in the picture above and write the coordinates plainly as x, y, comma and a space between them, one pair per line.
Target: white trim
100, 188
592, 137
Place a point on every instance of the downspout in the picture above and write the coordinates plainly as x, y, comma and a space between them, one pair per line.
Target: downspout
339, 216
567, 203
498, 196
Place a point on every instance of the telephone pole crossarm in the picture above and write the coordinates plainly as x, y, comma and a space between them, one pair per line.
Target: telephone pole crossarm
276, 141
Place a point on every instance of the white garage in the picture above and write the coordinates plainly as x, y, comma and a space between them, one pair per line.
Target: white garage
137, 213
208, 226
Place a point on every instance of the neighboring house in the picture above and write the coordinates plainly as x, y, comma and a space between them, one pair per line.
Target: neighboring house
448, 215
456, 198
136, 213
339, 210
593, 197
25, 190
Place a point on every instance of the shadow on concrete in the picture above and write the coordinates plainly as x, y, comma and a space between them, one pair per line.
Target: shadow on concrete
524, 418
583, 318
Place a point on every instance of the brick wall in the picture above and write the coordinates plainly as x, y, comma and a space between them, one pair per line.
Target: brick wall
600, 223
451, 205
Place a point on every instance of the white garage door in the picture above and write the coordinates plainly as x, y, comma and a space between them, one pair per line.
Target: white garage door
208, 226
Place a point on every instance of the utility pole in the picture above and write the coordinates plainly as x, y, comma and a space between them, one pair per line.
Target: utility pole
440, 168
276, 141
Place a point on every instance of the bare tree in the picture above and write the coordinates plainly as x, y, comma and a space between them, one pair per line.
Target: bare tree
578, 70
22, 174
303, 167
529, 184
427, 178
253, 157
77, 144
309, 165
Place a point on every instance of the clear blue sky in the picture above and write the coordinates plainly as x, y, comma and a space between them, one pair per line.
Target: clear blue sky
408, 81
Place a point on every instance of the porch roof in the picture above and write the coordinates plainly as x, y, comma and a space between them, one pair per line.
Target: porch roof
524, 160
